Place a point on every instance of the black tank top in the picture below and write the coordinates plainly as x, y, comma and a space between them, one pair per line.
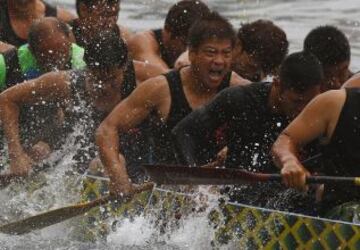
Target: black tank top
163, 147
179, 105
342, 154
163, 52
344, 147
7, 34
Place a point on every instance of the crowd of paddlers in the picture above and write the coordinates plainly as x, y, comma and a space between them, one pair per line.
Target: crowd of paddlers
195, 92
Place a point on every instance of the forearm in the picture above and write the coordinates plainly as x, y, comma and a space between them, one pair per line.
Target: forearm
107, 141
284, 150
9, 114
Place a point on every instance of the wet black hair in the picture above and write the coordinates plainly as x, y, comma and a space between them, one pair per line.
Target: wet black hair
89, 3
301, 71
182, 15
266, 42
210, 26
106, 49
40, 29
329, 44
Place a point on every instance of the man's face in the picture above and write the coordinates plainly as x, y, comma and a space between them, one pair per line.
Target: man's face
245, 65
335, 76
102, 9
54, 53
293, 102
212, 61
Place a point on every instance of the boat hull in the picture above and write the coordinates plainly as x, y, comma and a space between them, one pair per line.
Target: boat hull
248, 226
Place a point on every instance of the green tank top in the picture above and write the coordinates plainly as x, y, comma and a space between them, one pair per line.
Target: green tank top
28, 66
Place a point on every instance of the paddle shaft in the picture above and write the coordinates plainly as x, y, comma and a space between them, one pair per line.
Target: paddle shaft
183, 175
322, 180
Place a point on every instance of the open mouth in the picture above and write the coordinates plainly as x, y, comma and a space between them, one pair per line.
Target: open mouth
215, 74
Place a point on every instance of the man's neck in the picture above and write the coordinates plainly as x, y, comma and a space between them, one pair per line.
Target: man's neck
23, 11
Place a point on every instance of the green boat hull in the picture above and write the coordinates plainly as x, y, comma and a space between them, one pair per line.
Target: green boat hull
242, 225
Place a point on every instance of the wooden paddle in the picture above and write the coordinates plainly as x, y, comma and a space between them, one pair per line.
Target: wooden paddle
61, 214
183, 175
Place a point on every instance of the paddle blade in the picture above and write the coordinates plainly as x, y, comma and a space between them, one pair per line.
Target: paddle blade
50, 218
183, 175
61, 214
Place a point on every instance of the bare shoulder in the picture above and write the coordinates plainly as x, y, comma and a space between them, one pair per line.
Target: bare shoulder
126, 33
5, 46
155, 86
64, 15
326, 106
329, 99
142, 41
151, 92
237, 80
353, 82
145, 70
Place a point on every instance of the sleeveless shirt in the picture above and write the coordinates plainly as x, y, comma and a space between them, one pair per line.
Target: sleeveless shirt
342, 155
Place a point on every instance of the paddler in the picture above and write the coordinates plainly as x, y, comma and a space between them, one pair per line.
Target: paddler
86, 96
164, 46
169, 98
255, 115
330, 45
334, 117
252, 117
94, 16
49, 48
17, 17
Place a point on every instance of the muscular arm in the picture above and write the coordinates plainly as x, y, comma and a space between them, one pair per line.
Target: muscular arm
192, 129
316, 120
49, 87
126, 115
143, 47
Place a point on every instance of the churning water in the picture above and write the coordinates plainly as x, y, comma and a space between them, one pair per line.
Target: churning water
58, 188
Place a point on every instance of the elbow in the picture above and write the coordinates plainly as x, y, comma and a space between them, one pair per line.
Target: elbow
102, 132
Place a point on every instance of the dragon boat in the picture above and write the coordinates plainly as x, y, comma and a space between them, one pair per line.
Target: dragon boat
248, 226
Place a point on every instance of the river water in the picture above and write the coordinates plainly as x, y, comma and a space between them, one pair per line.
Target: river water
297, 18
